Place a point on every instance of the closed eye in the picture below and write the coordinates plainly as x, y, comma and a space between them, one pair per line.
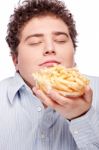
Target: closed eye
35, 43
60, 41
61, 38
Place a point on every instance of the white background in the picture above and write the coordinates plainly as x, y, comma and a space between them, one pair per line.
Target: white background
87, 23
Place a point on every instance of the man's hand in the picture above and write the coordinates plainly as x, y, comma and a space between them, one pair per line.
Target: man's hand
69, 107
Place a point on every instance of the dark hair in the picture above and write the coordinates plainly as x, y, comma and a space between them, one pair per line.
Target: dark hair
34, 8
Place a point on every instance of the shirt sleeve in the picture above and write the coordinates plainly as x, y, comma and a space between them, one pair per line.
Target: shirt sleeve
85, 130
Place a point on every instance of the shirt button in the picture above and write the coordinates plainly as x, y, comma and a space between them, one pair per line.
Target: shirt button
75, 132
42, 136
39, 108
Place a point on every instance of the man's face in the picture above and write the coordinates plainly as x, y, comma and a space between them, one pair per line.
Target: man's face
44, 42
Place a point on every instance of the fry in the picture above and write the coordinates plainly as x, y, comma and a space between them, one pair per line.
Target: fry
64, 80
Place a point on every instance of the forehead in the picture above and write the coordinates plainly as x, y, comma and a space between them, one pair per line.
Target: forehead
44, 25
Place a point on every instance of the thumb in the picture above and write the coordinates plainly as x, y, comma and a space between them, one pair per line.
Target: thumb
88, 94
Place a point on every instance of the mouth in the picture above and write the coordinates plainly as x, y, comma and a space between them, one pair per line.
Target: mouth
49, 63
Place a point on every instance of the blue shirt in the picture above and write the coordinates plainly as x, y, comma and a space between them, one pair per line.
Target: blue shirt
26, 125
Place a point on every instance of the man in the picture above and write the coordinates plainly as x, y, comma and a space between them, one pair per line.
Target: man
41, 33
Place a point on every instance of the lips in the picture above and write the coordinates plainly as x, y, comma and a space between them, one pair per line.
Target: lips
49, 63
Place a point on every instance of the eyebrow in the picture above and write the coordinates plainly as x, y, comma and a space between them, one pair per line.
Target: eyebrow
41, 35
33, 35
61, 33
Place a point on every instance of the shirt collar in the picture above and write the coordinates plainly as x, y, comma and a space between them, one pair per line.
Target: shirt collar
15, 85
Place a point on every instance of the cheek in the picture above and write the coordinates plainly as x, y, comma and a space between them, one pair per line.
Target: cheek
25, 67
68, 58
27, 62
24, 62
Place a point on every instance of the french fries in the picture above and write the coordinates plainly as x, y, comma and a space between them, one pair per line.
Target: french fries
67, 81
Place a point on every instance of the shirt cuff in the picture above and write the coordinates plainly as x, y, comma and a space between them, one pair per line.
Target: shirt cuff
83, 129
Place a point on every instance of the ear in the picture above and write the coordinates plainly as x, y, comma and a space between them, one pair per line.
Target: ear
15, 60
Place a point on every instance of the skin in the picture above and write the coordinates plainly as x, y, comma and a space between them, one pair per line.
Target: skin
44, 42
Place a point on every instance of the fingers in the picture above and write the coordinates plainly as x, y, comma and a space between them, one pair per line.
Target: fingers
60, 99
52, 98
68, 107
44, 98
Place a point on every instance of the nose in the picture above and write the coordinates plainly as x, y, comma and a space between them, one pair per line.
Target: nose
49, 48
